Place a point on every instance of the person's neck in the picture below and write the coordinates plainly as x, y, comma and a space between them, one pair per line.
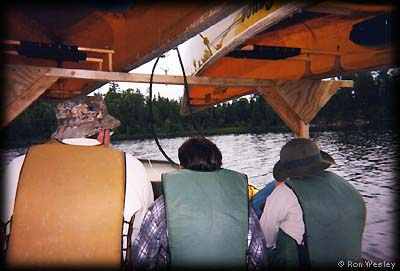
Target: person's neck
82, 141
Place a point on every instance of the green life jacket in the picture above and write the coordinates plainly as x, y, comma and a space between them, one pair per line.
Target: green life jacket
207, 218
334, 216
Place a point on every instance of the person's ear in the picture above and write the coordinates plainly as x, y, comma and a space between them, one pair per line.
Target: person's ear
277, 183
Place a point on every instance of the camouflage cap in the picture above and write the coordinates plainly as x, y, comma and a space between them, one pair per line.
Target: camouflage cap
83, 118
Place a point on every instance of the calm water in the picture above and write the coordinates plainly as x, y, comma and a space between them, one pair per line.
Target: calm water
368, 159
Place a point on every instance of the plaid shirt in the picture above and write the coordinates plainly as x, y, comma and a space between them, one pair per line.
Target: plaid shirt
150, 250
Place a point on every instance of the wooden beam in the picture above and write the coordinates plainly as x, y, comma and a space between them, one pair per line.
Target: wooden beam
96, 50
349, 9
11, 42
171, 79
174, 79
157, 79
58, 92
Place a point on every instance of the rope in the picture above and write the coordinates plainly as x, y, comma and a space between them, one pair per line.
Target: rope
186, 89
151, 166
153, 131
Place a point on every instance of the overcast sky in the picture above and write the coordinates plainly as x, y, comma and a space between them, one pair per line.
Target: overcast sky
168, 65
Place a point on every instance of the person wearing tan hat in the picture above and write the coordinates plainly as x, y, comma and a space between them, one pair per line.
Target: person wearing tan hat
78, 178
315, 218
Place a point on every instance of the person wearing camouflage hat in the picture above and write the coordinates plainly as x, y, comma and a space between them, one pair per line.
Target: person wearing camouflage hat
83, 118
72, 161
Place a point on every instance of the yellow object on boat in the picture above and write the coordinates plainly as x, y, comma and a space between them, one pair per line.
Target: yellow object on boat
252, 191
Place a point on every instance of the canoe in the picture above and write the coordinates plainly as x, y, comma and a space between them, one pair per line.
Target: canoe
288, 40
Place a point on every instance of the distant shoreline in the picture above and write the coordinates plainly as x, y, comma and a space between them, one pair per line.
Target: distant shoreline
325, 127
321, 126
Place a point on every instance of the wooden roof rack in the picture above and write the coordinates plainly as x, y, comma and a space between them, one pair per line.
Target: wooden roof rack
26, 83
59, 52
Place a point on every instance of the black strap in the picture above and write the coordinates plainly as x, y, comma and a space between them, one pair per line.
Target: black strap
266, 52
56, 51
186, 87
153, 130
303, 254
302, 250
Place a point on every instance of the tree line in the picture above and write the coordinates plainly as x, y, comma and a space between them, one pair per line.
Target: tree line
371, 102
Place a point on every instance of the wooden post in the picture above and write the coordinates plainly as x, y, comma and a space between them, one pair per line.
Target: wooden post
304, 130
110, 69
96, 60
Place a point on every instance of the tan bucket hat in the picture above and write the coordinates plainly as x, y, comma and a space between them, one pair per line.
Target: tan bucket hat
83, 118
301, 157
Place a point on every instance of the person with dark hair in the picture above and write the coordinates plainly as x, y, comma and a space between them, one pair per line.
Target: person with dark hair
314, 218
199, 154
203, 220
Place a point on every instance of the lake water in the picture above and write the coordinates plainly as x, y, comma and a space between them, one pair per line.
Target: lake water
367, 159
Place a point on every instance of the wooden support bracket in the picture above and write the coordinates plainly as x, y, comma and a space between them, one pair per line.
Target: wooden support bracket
24, 85
307, 97
284, 110
298, 102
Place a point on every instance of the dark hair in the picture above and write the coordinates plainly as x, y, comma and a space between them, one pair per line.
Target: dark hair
199, 153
